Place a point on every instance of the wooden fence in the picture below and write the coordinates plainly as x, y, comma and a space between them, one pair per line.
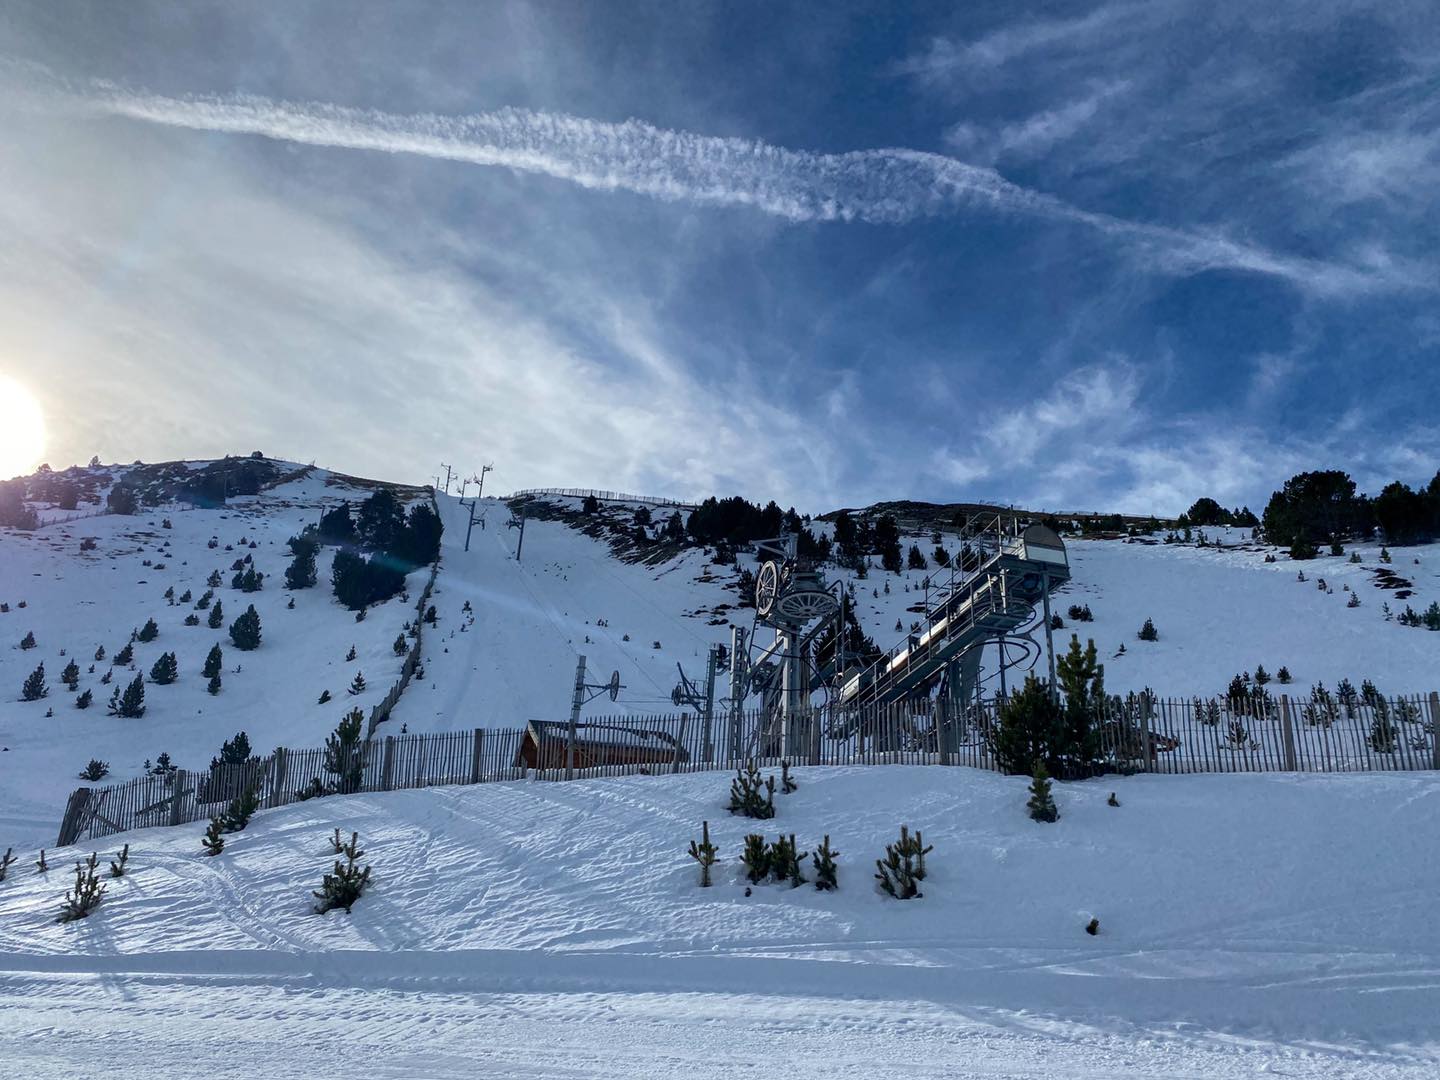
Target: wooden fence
1138, 733
381, 712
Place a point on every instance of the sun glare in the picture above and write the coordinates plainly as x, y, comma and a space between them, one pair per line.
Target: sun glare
22, 430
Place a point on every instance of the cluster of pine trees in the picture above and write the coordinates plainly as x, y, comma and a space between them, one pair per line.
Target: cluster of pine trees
1323, 507
378, 545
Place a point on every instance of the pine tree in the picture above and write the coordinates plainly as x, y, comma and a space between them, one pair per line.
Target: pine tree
124, 656
1261, 675
703, 853
1384, 738
130, 703
149, 632
756, 858
213, 686
903, 867
324, 697
357, 684
785, 861
5, 862
234, 751
300, 574
165, 670
344, 757
745, 793
217, 616
1041, 805
95, 769
99, 653
214, 838
34, 688
825, 868
349, 656
71, 675
1031, 728
241, 809
1148, 632
400, 647
345, 884
214, 580
117, 868
1283, 676
214, 660
245, 631
28, 641
87, 892
84, 700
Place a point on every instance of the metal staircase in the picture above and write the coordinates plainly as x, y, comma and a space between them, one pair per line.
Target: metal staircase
1011, 570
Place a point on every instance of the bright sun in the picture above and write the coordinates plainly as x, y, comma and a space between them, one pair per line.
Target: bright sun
22, 429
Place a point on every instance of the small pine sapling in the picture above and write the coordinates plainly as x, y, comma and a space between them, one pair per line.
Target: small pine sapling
71, 676
241, 809
400, 647
788, 785
1041, 804
903, 867
703, 853
214, 839
213, 686
785, 861
745, 791
85, 897
350, 655
1148, 631
149, 632
95, 770
1112, 801
5, 862
357, 684
117, 867
41, 866
336, 844
84, 700
825, 869
324, 696
345, 884
756, 858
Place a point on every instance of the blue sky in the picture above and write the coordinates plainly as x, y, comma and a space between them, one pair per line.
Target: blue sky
1112, 255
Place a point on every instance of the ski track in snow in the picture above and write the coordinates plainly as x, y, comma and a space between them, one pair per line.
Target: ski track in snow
532, 929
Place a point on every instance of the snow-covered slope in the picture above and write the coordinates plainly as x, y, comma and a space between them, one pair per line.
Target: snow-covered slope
511, 657
1247, 924
78, 601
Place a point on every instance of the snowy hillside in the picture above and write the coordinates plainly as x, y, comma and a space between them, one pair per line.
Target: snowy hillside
76, 602
511, 656
518, 929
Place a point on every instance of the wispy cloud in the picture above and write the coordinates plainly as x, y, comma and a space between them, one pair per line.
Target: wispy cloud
880, 186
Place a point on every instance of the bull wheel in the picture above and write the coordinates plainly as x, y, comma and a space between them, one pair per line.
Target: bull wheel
767, 588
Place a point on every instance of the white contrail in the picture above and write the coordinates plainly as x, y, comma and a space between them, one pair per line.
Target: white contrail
882, 186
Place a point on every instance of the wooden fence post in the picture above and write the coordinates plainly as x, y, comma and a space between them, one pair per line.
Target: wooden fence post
278, 770
1287, 731
387, 773
178, 799
1434, 730
477, 756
